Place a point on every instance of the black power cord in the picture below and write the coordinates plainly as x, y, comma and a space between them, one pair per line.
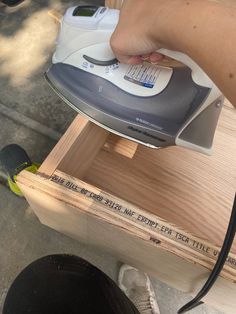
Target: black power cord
228, 241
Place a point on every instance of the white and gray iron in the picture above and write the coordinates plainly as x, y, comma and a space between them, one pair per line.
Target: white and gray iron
153, 105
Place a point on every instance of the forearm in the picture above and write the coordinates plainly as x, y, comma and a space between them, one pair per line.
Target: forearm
206, 31
203, 29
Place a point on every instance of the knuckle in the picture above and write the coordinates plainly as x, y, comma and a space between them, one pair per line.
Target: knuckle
116, 45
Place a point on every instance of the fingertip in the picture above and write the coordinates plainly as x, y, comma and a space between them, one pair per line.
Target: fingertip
135, 60
155, 56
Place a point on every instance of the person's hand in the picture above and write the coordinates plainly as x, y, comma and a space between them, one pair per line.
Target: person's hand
143, 29
197, 28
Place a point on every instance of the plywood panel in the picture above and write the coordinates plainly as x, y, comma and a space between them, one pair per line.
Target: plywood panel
76, 149
186, 188
73, 213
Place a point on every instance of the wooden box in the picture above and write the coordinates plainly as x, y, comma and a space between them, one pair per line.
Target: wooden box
164, 211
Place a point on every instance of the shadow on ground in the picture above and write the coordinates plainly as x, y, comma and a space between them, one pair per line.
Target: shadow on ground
27, 42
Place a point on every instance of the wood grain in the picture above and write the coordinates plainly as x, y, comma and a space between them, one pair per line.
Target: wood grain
121, 146
76, 149
89, 221
188, 189
84, 149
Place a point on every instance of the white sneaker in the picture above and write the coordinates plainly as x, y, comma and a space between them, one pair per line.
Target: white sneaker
138, 288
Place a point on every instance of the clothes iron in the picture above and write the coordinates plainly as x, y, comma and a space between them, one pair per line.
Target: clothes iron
152, 105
